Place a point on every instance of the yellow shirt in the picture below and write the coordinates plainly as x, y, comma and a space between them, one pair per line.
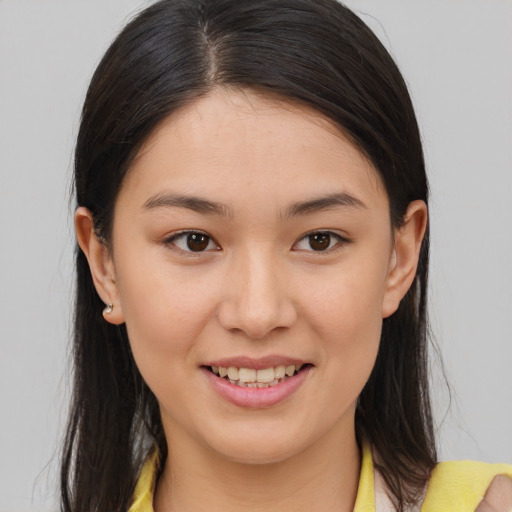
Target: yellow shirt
453, 487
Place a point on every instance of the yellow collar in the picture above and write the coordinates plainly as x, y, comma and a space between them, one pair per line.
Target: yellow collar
454, 486
143, 495
365, 502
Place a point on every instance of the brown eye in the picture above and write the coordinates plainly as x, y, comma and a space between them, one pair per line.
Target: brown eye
192, 241
319, 241
197, 242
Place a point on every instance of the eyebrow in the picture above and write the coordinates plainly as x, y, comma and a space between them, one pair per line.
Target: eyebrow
205, 206
328, 202
197, 204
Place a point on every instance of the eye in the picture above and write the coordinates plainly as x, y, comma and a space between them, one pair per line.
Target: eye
192, 241
320, 241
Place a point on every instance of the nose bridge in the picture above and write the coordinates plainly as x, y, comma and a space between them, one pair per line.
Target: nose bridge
257, 301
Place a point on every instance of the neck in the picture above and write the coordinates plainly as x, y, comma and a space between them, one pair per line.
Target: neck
321, 478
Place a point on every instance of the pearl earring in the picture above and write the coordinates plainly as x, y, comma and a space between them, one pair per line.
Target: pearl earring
108, 309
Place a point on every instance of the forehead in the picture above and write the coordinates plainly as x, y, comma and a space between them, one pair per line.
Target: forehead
240, 145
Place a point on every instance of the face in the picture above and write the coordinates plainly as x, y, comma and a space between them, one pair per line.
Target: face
251, 238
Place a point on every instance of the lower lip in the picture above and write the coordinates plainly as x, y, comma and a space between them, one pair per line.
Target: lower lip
256, 397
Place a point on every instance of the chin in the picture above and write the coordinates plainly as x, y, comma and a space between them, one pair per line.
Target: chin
260, 447
260, 455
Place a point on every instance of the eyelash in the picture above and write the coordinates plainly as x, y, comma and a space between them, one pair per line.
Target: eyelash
340, 241
183, 235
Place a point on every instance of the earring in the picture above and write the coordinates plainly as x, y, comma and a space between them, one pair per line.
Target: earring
108, 309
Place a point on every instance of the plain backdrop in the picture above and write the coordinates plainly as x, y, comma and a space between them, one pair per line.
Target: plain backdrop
456, 56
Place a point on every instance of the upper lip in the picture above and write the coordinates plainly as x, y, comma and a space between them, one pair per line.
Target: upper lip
259, 363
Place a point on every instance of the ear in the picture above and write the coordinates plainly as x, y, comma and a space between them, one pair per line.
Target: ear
406, 252
100, 264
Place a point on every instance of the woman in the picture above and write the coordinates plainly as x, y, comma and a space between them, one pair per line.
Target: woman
252, 221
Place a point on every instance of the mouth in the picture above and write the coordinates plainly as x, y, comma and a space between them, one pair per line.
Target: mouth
261, 378
257, 383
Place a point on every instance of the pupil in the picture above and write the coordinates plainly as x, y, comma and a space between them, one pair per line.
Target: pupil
319, 241
197, 242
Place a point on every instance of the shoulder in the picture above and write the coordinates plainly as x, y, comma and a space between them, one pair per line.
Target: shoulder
459, 486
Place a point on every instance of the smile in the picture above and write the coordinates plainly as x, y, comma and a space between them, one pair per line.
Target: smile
252, 378
256, 384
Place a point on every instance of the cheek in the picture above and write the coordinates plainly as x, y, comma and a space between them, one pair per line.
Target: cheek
348, 303
165, 311
346, 314
352, 338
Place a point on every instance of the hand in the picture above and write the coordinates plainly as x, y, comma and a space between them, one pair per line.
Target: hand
498, 497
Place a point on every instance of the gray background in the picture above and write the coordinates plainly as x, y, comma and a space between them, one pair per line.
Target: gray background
456, 57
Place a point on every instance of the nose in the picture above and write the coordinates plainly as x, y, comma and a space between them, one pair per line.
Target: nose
257, 297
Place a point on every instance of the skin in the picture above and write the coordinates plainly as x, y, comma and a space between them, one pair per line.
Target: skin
498, 497
258, 289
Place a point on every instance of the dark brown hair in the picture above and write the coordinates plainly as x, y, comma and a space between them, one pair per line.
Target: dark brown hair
317, 53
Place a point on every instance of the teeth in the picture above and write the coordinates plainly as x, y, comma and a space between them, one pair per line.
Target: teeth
233, 373
280, 371
266, 375
249, 377
290, 370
